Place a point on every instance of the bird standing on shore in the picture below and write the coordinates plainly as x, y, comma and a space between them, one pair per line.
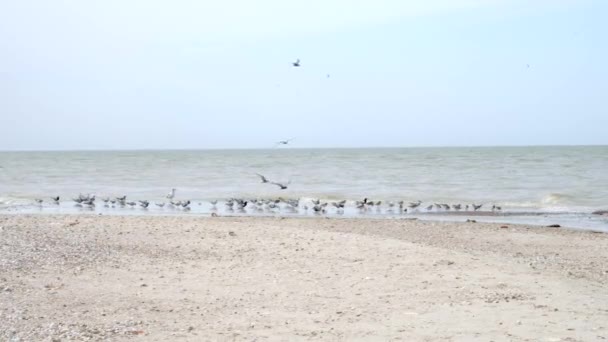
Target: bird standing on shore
171, 194
55, 199
415, 204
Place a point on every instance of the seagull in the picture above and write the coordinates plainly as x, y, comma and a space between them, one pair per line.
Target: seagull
296, 63
415, 204
161, 204
264, 179
477, 207
213, 203
131, 204
55, 199
90, 201
38, 200
282, 186
144, 203
284, 142
171, 194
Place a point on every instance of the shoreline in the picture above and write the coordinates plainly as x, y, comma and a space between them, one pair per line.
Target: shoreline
583, 221
241, 278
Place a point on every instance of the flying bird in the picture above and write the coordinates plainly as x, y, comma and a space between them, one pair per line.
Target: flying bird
264, 179
284, 142
282, 186
296, 63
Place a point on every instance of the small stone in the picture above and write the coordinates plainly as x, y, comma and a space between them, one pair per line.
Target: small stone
231, 233
144, 285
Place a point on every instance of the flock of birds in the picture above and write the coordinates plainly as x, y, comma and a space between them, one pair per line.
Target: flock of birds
276, 205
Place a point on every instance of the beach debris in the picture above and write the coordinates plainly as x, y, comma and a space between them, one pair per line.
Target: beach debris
214, 215
504, 227
231, 233
444, 262
72, 224
553, 226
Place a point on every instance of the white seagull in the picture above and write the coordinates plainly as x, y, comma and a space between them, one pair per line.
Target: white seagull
171, 194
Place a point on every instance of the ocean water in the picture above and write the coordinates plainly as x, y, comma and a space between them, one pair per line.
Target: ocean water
532, 180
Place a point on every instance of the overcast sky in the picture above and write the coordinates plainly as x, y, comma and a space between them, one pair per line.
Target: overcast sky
119, 74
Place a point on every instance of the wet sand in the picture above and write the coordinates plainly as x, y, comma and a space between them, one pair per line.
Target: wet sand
156, 278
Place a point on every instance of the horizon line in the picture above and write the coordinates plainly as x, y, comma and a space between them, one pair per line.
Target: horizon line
293, 148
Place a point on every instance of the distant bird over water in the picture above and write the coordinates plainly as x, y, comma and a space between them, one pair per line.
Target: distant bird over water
296, 63
284, 142
264, 179
282, 186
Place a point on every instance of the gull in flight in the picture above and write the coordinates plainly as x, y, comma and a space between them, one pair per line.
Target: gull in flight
280, 185
264, 179
284, 142
296, 63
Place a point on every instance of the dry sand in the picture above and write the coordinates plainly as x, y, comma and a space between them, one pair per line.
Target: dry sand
197, 279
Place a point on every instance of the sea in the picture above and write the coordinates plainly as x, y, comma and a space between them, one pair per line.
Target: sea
533, 185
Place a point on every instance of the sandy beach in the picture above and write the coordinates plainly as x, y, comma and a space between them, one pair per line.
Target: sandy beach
86, 277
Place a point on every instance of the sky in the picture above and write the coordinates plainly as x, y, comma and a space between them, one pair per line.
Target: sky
191, 74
